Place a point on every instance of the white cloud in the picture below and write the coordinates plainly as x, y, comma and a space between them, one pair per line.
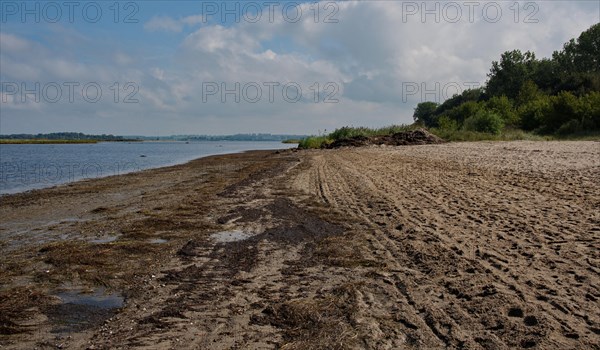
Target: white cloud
370, 53
168, 24
12, 43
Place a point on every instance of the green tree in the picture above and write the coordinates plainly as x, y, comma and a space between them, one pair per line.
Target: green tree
564, 107
589, 110
502, 106
532, 111
529, 92
425, 112
458, 99
507, 76
484, 121
464, 111
577, 65
581, 55
447, 124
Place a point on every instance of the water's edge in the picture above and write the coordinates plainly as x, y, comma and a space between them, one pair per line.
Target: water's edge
41, 186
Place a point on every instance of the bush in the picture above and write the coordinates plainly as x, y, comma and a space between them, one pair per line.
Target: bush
531, 113
464, 111
502, 106
563, 108
589, 110
314, 142
424, 113
347, 132
484, 121
447, 124
570, 127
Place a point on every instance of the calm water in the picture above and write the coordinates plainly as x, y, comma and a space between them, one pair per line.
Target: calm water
26, 167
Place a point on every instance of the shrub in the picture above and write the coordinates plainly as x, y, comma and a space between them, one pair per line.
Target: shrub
531, 113
484, 121
447, 124
589, 110
464, 111
347, 132
563, 108
502, 106
314, 142
424, 113
570, 127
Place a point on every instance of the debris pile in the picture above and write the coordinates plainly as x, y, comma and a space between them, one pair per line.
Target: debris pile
414, 137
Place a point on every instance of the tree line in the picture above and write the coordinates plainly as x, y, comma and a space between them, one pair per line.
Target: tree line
558, 95
63, 136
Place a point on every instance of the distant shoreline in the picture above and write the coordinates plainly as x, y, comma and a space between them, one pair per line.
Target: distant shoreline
45, 141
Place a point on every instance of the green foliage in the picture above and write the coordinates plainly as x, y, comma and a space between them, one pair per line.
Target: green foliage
464, 111
558, 96
447, 124
484, 121
549, 96
506, 135
393, 129
564, 107
504, 108
425, 112
570, 127
529, 92
581, 55
532, 112
589, 110
348, 132
507, 76
314, 142
474, 95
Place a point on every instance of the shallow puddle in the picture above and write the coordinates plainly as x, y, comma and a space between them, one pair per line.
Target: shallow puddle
79, 311
107, 239
99, 298
230, 236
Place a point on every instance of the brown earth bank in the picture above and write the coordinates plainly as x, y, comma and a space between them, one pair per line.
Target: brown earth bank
449, 246
404, 138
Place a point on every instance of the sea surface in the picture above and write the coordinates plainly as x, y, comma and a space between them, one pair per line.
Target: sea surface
32, 166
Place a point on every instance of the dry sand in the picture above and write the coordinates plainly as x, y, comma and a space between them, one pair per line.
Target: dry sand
459, 246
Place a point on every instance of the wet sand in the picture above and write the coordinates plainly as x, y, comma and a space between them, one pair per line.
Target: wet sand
465, 245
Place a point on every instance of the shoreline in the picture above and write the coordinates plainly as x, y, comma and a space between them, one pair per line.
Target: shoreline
267, 249
42, 187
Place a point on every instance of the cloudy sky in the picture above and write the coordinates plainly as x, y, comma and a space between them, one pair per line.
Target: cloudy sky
223, 67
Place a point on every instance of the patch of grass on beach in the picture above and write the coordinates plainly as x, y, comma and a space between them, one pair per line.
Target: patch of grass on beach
349, 132
506, 135
314, 142
452, 135
593, 135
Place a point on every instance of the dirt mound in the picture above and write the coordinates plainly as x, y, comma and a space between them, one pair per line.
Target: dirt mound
414, 137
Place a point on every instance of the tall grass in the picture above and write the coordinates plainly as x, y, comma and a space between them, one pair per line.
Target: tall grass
505, 135
592, 135
314, 142
448, 134
349, 132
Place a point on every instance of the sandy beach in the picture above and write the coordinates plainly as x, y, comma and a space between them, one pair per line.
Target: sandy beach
482, 245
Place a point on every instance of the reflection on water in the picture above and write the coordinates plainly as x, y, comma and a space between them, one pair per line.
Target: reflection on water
157, 241
106, 239
79, 311
230, 236
98, 298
